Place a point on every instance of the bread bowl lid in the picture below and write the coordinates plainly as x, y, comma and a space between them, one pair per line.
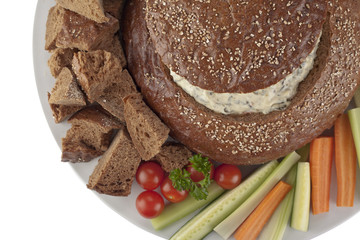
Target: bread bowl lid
234, 46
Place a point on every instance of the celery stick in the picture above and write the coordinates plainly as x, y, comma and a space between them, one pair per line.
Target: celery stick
278, 222
204, 222
301, 208
227, 227
354, 117
357, 97
304, 153
175, 211
290, 177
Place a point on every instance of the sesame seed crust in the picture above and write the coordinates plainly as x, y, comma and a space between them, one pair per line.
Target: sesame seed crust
252, 138
234, 46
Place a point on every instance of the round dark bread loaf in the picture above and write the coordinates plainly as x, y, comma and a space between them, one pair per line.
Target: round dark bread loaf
252, 138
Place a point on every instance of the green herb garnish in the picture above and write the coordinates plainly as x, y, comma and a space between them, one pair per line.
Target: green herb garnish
181, 178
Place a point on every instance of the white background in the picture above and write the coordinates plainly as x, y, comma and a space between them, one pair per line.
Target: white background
42, 198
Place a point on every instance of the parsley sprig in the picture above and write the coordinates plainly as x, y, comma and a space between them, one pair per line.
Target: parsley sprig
181, 178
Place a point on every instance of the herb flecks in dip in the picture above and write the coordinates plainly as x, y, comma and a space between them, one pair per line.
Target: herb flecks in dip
275, 97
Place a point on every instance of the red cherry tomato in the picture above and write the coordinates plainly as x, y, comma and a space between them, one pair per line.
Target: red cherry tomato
227, 176
149, 204
149, 175
198, 176
171, 193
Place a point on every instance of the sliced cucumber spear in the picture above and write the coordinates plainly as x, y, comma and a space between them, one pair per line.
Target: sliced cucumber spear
204, 222
176, 211
227, 227
301, 208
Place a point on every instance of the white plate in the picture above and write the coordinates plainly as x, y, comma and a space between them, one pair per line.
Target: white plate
126, 206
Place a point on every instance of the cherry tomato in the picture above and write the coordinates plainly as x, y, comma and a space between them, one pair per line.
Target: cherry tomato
149, 175
227, 176
198, 176
171, 193
149, 204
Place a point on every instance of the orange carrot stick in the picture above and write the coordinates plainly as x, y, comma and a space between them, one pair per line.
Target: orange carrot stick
345, 162
321, 156
252, 226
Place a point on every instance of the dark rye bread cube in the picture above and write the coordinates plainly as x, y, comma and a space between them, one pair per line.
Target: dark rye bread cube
60, 58
90, 134
62, 112
66, 90
103, 80
75, 150
91, 9
113, 45
112, 95
114, 174
173, 156
146, 129
66, 97
67, 29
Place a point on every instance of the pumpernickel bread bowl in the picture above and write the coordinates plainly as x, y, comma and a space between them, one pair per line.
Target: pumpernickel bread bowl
241, 47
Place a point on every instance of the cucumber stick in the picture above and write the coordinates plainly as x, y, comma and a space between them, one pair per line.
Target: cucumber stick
204, 222
275, 228
176, 211
227, 227
290, 177
301, 208
354, 117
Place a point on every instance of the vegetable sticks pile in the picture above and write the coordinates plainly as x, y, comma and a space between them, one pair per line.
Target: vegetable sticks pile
313, 183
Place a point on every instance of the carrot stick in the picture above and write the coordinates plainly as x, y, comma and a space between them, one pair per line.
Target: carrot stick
345, 162
321, 156
253, 225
